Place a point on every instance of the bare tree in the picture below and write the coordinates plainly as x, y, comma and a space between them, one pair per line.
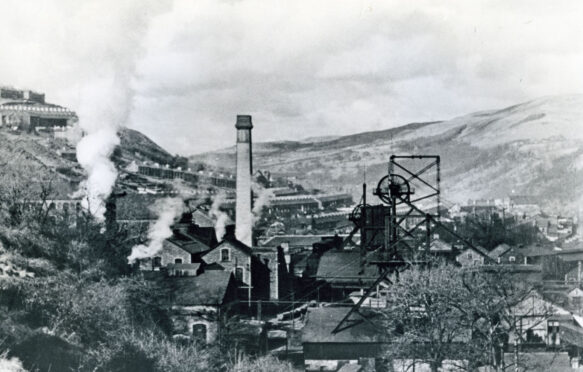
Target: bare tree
424, 316
442, 314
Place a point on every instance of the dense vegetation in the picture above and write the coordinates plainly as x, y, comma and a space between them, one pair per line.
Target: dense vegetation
70, 302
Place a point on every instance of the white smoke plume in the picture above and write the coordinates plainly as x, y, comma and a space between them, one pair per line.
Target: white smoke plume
106, 97
264, 197
169, 210
221, 217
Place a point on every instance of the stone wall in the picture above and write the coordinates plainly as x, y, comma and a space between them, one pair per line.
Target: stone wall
184, 318
236, 259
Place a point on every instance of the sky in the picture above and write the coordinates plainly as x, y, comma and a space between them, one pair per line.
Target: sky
181, 70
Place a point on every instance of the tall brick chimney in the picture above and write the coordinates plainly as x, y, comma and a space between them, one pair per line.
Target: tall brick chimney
244, 219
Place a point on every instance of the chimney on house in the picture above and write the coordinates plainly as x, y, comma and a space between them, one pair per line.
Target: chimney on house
244, 219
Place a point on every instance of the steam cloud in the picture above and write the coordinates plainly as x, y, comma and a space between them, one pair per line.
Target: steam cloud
169, 211
106, 100
264, 197
220, 216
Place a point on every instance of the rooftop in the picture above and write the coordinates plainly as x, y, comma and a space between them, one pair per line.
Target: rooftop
188, 242
202, 219
499, 251
234, 243
295, 240
208, 288
343, 267
321, 322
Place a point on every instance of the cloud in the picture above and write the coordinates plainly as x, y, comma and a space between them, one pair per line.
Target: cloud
302, 68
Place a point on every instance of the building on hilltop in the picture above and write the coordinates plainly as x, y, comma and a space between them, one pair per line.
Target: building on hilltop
26, 110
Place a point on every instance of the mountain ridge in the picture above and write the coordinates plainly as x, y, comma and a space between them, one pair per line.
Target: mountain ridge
534, 148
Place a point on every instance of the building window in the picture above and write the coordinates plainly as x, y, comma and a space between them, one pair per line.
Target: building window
178, 260
225, 254
199, 333
553, 333
511, 259
157, 263
239, 274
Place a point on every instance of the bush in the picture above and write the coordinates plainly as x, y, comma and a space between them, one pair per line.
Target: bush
42, 352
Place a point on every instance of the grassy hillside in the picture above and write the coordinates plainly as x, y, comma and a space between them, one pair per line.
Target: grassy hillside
533, 148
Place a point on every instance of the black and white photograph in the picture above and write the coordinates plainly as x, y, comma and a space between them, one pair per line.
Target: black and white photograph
288, 186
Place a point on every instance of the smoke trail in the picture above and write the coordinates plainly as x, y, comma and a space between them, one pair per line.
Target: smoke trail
220, 216
169, 211
106, 96
10, 365
264, 197
320, 205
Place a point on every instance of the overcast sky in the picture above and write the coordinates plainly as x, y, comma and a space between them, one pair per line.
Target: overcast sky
184, 69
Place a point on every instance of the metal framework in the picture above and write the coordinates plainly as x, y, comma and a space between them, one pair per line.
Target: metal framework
392, 235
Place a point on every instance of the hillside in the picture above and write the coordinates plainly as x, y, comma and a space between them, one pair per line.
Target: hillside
533, 148
136, 146
32, 160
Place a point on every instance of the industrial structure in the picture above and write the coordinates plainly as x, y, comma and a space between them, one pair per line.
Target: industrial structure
244, 220
26, 110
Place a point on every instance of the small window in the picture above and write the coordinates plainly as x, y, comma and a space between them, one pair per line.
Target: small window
239, 274
225, 255
199, 333
157, 262
178, 260
511, 259
469, 255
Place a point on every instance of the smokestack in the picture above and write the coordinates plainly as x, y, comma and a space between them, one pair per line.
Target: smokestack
244, 218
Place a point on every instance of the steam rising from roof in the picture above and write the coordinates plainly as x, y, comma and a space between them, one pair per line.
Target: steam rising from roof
169, 210
221, 217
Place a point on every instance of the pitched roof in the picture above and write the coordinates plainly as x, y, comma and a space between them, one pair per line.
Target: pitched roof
351, 367
320, 322
571, 333
480, 250
439, 245
344, 267
234, 243
208, 288
202, 219
499, 251
188, 242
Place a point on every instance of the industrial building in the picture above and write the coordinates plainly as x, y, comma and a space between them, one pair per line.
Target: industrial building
26, 110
